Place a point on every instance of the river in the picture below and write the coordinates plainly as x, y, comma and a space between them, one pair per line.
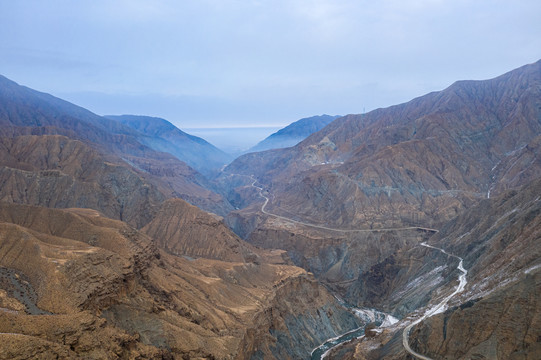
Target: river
378, 317
368, 316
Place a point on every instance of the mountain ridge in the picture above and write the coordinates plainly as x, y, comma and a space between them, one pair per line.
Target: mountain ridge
25, 113
439, 148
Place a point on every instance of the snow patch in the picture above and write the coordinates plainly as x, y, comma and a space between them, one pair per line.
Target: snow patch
389, 321
423, 281
365, 314
533, 268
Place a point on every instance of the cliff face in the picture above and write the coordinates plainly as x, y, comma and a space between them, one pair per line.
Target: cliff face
342, 261
301, 316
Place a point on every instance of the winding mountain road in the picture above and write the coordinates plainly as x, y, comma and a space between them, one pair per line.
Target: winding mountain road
405, 335
325, 227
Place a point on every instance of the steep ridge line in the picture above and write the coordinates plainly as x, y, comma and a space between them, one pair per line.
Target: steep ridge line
462, 284
328, 228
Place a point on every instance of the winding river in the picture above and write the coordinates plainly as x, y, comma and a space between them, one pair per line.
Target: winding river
439, 307
367, 315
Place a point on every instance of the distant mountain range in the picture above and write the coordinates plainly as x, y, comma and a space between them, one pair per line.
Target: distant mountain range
160, 135
294, 133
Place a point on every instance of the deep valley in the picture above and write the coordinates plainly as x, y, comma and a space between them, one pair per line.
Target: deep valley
416, 225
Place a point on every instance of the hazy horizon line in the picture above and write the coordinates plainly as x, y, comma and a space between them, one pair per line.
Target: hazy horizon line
237, 127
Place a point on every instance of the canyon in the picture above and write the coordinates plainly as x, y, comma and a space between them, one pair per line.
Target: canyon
119, 239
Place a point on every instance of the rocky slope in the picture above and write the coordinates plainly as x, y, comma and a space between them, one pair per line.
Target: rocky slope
302, 315
465, 161
55, 171
104, 290
161, 135
294, 133
498, 314
419, 162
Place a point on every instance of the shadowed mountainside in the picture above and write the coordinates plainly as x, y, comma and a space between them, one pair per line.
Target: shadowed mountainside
161, 135
29, 118
294, 133
497, 316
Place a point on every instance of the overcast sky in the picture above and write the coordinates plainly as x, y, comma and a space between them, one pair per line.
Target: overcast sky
225, 63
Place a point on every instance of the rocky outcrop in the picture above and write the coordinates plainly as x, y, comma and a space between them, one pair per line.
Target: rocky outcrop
300, 317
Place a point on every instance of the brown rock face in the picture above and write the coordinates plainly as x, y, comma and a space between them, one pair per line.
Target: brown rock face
342, 261
421, 162
58, 172
301, 315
